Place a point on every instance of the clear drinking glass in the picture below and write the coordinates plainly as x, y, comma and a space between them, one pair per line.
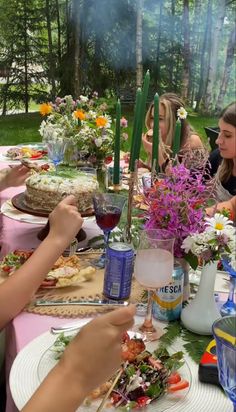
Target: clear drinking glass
153, 269
56, 150
229, 307
224, 331
108, 208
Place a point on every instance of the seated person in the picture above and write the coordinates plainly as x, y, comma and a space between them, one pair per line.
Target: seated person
223, 160
168, 106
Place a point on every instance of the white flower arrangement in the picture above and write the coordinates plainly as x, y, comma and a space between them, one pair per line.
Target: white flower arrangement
217, 241
83, 121
182, 113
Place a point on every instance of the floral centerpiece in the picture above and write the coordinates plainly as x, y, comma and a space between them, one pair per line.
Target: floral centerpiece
83, 121
216, 241
177, 204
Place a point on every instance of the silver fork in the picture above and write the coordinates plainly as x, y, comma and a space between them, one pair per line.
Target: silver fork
73, 247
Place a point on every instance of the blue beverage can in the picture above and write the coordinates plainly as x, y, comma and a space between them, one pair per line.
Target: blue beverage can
168, 300
118, 271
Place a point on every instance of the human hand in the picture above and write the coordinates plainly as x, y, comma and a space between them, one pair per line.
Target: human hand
147, 144
16, 176
65, 220
95, 353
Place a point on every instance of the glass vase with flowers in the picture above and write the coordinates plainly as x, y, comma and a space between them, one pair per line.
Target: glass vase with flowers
84, 122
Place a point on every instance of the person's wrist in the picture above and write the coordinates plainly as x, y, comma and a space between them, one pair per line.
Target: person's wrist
75, 378
59, 240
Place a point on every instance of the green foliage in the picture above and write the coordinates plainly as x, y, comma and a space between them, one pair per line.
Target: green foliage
194, 345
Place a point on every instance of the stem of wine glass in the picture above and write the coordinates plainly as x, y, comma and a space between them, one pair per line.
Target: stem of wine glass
147, 326
106, 240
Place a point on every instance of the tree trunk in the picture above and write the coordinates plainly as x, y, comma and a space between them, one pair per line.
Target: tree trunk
203, 63
76, 41
26, 90
172, 33
157, 68
186, 72
51, 60
209, 98
58, 33
139, 35
195, 49
227, 69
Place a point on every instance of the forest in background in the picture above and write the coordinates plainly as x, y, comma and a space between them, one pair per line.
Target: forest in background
57, 47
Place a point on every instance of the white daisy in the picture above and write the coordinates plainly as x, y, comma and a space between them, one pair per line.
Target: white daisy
188, 243
182, 113
218, 223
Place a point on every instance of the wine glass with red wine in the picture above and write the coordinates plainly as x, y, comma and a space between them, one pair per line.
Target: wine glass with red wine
108, 208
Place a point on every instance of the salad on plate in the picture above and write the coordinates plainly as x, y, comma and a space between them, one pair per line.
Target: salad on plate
147, 375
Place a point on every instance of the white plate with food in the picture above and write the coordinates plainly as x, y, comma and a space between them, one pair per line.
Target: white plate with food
17, 153
41, 350
67, 271
34, 362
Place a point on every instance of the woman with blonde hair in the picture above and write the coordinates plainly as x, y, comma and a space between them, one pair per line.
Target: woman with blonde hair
223, 159
169, 104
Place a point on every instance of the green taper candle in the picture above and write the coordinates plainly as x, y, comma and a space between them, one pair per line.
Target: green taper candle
116, 173
142, 111
176, 141
155, 139
134, 143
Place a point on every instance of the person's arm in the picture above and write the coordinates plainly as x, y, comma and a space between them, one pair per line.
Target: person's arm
14, 176
228, 204
18, 289
89, 360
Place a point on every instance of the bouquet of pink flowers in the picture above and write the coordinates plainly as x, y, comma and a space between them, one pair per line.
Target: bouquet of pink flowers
177, 204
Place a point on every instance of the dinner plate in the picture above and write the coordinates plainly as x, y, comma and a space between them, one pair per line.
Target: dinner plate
7, 209
24, 381
18, 201
8, 160
47, 362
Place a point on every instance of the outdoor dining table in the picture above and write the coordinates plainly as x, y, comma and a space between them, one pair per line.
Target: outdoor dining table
27, 326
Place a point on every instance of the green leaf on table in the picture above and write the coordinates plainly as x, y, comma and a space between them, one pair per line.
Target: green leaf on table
173, 331
195, 345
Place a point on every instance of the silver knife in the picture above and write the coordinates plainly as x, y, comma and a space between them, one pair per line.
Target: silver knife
97, 302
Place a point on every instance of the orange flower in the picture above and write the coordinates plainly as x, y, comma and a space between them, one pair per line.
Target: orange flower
45, 109
79, 114
101, 121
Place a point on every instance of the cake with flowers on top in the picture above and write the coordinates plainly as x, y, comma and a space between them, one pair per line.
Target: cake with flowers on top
45, 190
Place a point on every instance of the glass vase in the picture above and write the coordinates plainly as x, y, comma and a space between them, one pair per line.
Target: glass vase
101, 174
71, 154
201, 312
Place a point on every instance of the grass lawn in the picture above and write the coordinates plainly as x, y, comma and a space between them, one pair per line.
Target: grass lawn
19, 128
23, 128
